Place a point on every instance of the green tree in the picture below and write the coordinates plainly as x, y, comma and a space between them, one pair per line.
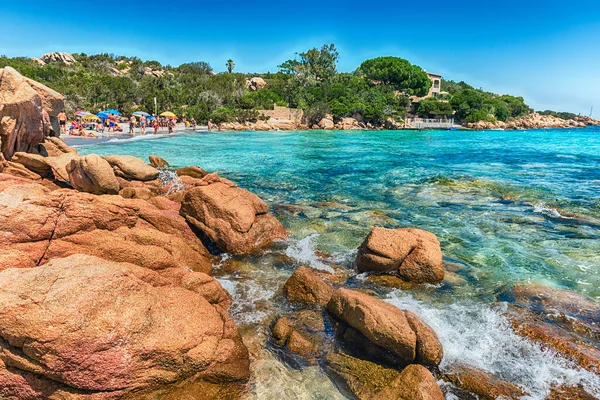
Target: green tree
230, 65
315, 64
398, 73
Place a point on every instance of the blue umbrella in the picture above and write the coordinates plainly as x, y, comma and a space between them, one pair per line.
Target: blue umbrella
150, 118
141, 114
102, 115
112, 112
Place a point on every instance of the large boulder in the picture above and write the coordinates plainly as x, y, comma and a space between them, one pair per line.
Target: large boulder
46, 167
383, 330
28, 112
58, 56
306, 287
54, 147
236, 220
37, 224
256, 83
132, 168
327, 122
282, 124
100, 329
93, 174
413, 254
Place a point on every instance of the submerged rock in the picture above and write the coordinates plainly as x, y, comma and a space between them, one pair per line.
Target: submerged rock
92, 174
382, 331
356, 378
298, 338
482, 384
105, 329
236, 220
413, 254
306, 287
132, 168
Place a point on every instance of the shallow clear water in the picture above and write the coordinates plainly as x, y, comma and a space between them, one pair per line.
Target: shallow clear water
507, 207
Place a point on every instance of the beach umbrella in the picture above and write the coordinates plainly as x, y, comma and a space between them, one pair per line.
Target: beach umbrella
82, 113
151, 118
102, 115
141, 114
168, 114
115, 112
90, 117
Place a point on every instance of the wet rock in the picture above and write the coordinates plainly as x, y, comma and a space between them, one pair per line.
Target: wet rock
298, 338
481, 383
571, 346
28, 113
415, 382
569, 393
429, 348
92, 174
132, 168
108, 329
236, 220
307, 287
383, 331
356, 378
158, 162
413, 254
37, 224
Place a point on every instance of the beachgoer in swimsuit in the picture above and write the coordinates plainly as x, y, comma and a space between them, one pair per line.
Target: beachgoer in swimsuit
155, 126
62, 121
131, 124
143, 125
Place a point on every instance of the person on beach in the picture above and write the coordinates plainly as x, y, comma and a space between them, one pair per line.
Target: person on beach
132, 121
193, 123
171, 125
111, 123
143, 125
210, 125
156, 124
62, 121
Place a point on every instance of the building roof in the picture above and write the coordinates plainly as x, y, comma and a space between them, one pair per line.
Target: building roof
436, 75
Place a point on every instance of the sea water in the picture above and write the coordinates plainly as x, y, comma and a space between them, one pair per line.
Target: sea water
508, 207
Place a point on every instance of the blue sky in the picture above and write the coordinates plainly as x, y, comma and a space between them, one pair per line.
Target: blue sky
546, 51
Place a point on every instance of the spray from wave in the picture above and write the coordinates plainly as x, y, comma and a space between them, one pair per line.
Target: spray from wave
170, 181
480, 336
304, 251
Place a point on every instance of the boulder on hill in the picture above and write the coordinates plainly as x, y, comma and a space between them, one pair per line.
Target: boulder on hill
28, 112
412, 254
256, 83
37, 224
383, 331
57, 56
236, 220
84, 327
132, 168
92, 174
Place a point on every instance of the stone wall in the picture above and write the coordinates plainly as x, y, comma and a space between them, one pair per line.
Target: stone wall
286, 113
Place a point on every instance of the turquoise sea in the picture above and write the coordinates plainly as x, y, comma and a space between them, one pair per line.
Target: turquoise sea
507, 206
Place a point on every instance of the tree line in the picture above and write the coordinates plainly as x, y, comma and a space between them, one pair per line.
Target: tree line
380, 88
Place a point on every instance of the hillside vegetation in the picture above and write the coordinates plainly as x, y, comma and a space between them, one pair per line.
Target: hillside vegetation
379, 88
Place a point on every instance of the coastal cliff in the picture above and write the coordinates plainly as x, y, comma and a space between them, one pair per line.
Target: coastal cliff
535, 121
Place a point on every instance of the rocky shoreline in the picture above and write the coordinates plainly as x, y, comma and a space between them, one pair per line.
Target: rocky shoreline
531, 121
106, 289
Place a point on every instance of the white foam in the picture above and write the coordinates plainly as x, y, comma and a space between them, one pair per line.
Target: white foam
542, 208
304, 251
480, 336
244, 295
170, 181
